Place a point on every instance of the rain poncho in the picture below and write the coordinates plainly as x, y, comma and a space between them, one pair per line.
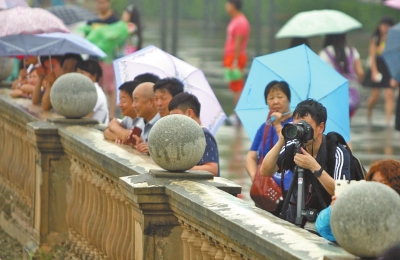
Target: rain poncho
107, 37
323, 224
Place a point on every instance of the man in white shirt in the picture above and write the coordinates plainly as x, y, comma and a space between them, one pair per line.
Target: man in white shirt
143, 103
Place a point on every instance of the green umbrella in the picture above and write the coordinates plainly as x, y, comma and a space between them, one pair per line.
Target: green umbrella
318, 22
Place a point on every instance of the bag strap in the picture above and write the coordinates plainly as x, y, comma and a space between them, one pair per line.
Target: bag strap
266, 130
333, 60
349, 61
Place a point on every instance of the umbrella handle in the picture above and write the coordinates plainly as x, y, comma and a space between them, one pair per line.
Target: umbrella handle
51, 64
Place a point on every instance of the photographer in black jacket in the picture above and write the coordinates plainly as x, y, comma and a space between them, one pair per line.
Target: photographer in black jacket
312, 158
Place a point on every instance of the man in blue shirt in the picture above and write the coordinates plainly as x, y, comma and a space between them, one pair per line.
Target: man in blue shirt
188, 104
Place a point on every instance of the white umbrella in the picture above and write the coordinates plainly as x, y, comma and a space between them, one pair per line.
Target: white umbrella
393, 3
154, 60
318, 22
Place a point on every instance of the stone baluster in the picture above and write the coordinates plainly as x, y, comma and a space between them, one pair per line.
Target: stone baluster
80, 210
191, 241
205, 247
108, 209
98, 214
131, 231
114, 223
120, 225
72, 204
18, 170
220, 255
19, 165
103, 214
11, 158
94, 211
111, 223
31, 171
28, 169
86, 210
212, 252
227, 253
198, 243
125, 240
184, 237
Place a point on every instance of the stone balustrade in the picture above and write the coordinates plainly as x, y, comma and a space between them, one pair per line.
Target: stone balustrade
61, 181
17, 179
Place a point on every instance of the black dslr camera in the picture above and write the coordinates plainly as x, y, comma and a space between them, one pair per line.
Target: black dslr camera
302, 131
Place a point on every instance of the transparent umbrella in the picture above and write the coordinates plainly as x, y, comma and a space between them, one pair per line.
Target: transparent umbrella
317, 22
154, 60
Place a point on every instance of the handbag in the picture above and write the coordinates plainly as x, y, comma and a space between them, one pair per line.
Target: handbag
265, 192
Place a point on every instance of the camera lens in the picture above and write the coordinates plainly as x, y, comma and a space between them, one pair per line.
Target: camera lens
291, 132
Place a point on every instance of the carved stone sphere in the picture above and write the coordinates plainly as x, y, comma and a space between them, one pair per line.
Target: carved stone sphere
73, 95
176, 143
365, 219
6, 67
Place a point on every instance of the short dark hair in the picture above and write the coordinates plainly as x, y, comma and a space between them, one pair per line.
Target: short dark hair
74, 56
59, 58
147, 77
173, 85
282, 85
92, 67
312, 108
237, 3
184, 101
129, 86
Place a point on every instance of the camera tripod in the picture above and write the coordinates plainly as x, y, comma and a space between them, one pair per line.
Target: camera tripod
302, 213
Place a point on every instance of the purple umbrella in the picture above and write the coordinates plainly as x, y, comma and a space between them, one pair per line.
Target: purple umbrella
20, 20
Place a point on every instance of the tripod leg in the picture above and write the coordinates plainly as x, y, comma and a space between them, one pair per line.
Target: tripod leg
285, 206
300, 197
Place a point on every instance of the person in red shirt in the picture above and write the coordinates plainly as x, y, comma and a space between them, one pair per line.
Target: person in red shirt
235, 57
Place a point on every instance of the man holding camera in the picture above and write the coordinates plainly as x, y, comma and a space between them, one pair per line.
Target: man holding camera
304, 144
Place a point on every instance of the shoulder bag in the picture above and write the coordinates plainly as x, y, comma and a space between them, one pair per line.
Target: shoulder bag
265, 192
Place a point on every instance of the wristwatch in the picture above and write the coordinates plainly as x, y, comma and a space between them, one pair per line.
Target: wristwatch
318, 173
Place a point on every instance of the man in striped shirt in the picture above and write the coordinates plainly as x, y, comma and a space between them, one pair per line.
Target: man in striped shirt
312, 159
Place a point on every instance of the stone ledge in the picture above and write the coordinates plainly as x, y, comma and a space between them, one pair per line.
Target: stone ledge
203, 175
73, 121
248, 230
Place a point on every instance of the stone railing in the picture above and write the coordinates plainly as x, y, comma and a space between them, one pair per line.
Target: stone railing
110, 202
17, 178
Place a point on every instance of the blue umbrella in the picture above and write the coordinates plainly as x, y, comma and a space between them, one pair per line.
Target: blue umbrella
47, 43
391, 55
308, 77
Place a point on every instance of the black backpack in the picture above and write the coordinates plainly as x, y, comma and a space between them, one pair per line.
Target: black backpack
357, 171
